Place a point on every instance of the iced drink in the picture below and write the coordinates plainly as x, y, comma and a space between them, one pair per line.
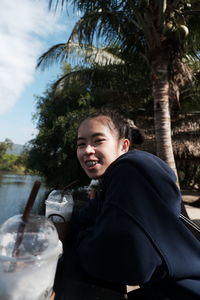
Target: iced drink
59, 206
30, 274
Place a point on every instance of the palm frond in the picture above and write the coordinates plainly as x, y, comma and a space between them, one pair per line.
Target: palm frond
100, 57
194, 35
62, 2
84, 53
133, 26
96, 24
55, 54
161, 8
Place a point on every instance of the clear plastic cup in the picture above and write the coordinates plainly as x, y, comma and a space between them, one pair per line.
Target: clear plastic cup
29, 275
59, 207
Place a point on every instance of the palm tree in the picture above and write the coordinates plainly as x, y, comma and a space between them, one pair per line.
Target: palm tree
164, 32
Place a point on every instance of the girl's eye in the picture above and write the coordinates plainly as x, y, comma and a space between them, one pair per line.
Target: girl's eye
80, 145
99, 141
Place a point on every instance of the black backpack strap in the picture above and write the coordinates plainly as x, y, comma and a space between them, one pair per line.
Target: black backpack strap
191, 225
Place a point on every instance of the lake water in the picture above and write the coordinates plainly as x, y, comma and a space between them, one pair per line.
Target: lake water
14, 192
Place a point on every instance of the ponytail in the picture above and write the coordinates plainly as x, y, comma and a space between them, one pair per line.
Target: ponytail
133, 133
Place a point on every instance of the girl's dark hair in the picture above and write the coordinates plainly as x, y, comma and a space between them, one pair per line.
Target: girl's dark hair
125, 127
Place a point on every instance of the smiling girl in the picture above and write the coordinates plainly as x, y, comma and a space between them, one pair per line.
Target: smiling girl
98, 145
131, 233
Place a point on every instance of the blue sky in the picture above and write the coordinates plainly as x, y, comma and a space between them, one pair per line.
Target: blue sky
27, 29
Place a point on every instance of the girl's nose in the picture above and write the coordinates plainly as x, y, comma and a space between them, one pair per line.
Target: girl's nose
89, 149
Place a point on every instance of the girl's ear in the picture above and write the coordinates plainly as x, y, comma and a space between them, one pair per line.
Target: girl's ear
125, 145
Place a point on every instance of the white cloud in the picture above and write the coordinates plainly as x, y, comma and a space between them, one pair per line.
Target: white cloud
24, 26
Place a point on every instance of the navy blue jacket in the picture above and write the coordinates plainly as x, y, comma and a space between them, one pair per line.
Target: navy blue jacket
131, 233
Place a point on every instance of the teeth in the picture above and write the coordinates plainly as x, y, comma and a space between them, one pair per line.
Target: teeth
91, 163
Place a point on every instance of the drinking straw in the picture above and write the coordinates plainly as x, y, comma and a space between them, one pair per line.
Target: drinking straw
25, 216
31, 200
66, 187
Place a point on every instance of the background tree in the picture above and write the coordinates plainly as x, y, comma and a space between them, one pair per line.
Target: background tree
163, 32
4, 146
11, 162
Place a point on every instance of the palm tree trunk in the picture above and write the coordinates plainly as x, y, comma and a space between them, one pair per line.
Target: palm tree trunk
162, 119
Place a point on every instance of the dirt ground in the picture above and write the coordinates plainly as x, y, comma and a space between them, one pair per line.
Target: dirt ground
191, 200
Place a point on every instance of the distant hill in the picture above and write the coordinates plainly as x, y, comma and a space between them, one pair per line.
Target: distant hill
16, 149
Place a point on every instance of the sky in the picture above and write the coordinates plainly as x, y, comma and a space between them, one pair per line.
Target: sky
27, 30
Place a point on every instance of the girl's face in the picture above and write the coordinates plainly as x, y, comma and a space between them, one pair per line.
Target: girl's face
98, 145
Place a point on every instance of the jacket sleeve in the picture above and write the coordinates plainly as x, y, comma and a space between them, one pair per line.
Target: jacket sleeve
85, 216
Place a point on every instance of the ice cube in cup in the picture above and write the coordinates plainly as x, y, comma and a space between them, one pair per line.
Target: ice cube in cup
29, 275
